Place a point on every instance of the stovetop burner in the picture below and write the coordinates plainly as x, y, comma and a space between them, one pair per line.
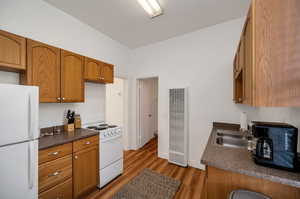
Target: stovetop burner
101, 127
98, 128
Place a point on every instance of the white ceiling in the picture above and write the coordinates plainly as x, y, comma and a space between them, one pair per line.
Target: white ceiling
126, 21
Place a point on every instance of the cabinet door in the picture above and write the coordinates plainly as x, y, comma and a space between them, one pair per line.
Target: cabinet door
277, 53
107, 73
12, 51
248, 63
92, 70
43, 70
72, 71
86, 170
61, 191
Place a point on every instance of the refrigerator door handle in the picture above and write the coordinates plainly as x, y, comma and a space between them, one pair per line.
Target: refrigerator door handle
30, 164
30, 136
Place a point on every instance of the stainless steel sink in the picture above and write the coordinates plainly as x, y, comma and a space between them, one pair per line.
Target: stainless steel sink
232, 142
229, 135
230, 139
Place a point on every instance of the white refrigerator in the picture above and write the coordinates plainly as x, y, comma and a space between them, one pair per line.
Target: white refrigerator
19, 133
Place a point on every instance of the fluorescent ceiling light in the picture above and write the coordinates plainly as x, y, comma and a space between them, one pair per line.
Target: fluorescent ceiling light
152, 7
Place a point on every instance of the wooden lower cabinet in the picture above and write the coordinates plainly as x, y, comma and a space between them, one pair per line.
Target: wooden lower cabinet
86, 170
54, 153
61, 191
69, 170
54, 172
220, 183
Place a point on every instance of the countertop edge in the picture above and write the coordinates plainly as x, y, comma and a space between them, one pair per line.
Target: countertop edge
275, 179
62, 140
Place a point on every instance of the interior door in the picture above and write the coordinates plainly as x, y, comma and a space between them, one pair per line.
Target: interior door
19, 171
72, 71
44, 69
147, 124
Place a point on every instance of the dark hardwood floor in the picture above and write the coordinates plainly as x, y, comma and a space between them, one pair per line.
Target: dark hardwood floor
134, 161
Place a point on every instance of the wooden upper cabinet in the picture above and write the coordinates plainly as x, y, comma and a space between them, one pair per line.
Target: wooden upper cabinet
277, 52
72, 80
59, 74
86, 170
12, 52
43, 70
248, 54
97, 71
92, 70
271, 71
107, 73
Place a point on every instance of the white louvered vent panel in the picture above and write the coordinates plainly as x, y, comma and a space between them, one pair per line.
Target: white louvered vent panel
178, 153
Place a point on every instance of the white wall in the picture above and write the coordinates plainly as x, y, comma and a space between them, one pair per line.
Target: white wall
202, 61
116, 106
40, 21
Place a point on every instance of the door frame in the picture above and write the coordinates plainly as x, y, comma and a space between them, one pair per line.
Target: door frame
138, 107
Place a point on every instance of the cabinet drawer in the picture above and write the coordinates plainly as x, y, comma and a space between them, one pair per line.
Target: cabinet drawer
85, 143
61, 191
54, 172
54, 153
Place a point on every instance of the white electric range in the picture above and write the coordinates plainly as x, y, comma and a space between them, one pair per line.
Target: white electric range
110, 151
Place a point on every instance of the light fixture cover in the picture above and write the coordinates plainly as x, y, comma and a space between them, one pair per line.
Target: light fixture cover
152, 7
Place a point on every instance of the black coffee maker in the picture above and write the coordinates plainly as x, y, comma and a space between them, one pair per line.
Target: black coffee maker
276, 145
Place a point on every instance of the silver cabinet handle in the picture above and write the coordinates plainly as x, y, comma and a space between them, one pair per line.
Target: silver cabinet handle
63, 99
54, 174
76, 157
54, 153
58, 99
87, 143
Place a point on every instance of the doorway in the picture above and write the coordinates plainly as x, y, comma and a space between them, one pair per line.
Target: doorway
147, 107
115, 106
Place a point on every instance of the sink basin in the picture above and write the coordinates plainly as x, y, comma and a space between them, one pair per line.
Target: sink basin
230, 139
229, 135
232, 142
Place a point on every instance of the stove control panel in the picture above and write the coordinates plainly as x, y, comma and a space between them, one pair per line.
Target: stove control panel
110, 133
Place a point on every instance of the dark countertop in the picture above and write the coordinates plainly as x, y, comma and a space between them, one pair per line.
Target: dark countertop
65, 137
239, 160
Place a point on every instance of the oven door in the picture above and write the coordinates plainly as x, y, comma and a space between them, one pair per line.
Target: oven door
110, 151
